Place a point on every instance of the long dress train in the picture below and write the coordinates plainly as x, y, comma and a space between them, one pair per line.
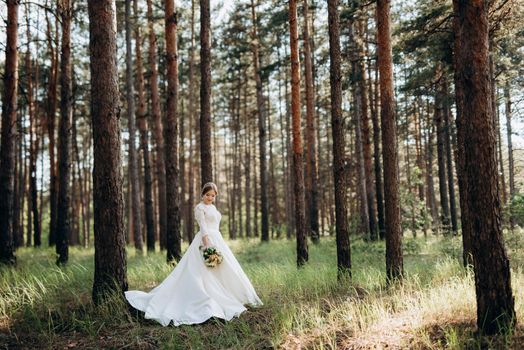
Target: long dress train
192, 293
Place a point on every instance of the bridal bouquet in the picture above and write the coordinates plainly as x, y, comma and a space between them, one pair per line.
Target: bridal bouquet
212, 257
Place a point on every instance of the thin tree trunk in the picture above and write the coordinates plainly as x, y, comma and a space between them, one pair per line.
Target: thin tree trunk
132, 166
206, 164
511, 162
431, 201
500, 157
158, 130
247, 155
300, 208
337, 125
379, 189
174, 248
394, 258
33, 136
441, 152
449, 159
141, 115
365, 128
261, 111
312, 183
495, 301
357, 119
64, 148
17, 227
190, 224
289, 164
51, 102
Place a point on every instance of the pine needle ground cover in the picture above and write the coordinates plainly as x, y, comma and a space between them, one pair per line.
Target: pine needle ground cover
43, 306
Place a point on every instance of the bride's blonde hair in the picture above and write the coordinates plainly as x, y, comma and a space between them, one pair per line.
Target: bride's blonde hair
209, 186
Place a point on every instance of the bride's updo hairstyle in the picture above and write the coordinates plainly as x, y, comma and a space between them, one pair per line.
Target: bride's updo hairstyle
208, 187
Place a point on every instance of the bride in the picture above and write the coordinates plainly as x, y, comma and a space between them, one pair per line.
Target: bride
192, 293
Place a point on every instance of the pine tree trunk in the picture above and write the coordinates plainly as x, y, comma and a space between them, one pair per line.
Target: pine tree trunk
495, 301
158, 130
18, 235
337, 128
261, 127
173, 238
441, 153
362, 78
500, 156
359, 149
511, 162
247, 155
300, 208
134, 187
379, 190
63, 222
394, 258
33, 135
467, 229
431, 201
51, 102
205, 93
312, 184
418, 145
7, 147
449, 159
190, 224
110, 254
141, 115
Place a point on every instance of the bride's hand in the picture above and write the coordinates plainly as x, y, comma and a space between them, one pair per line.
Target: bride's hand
205, 241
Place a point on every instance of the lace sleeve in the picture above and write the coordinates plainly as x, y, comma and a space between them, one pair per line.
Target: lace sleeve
201, 219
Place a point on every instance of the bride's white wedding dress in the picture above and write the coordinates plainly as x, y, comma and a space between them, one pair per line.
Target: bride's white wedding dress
192, 292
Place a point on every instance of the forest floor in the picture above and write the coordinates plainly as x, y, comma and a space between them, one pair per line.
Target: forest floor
43, 306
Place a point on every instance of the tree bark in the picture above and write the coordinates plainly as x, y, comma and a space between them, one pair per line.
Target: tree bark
141, 115
431, 201
261, 127
51, 102
173, 238
33, 136
63, 222
467, 229
206, 164
361, 78
379, 189
300, 208
449, 158
132, 166
9, 132
394, 258
500, 157
312, 184
359, 149
158, 129
190, 224
495, 301
110, 254
337, 128
441, 152
511, 166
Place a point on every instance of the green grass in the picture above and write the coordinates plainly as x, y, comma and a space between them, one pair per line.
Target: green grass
45, 306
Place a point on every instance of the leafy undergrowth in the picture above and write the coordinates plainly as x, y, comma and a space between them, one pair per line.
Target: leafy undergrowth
43, 306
